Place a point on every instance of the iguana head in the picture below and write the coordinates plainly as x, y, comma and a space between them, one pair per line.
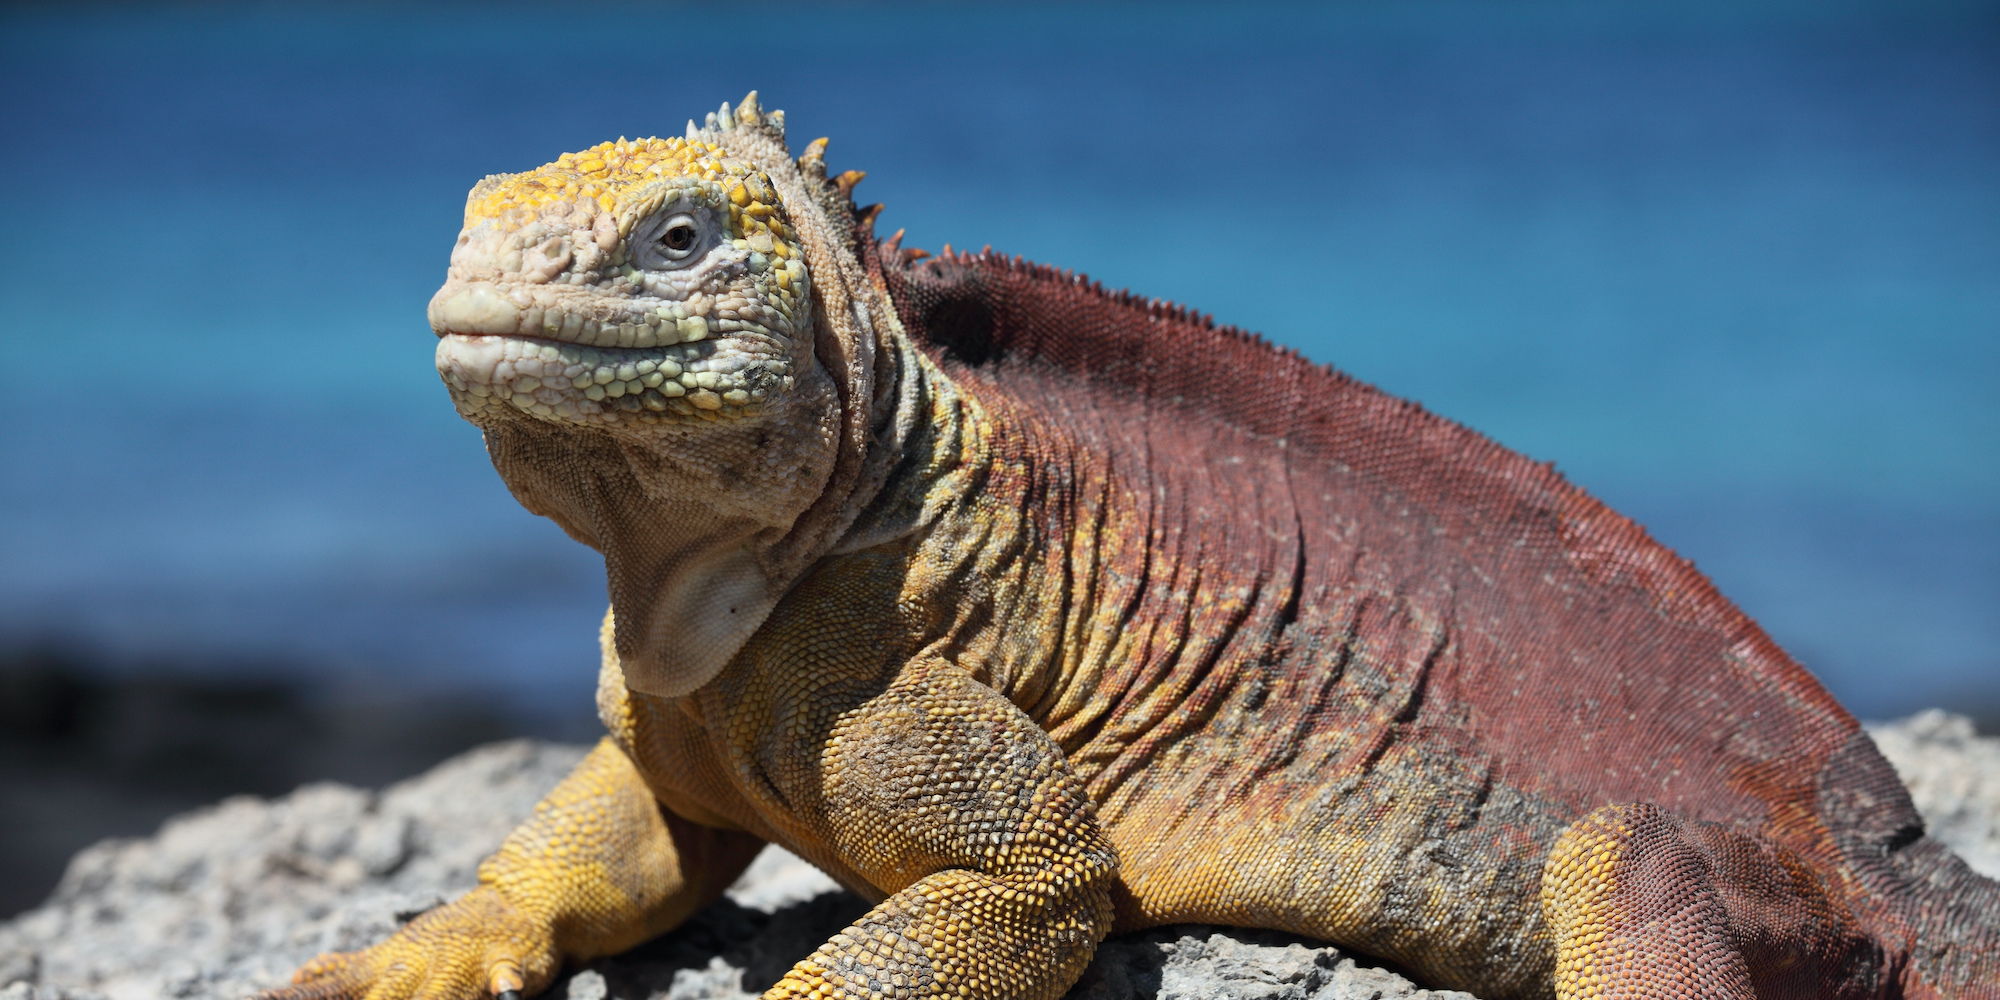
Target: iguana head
649, 282
641, 331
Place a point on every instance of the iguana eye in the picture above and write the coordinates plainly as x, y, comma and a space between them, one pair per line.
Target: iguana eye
679, 237
673, 239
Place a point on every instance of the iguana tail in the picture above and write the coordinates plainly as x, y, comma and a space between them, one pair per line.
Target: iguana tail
1939, 918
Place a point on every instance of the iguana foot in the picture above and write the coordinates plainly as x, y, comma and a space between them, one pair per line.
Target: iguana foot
1644, 904
475, 947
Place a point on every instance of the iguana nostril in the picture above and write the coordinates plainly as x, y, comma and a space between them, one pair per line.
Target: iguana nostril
545, 260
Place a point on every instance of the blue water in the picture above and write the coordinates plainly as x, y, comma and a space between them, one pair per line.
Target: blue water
1735, 268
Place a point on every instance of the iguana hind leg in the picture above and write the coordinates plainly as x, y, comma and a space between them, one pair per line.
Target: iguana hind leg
1643, 904
598, 868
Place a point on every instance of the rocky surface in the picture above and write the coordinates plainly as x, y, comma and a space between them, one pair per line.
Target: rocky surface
231, 898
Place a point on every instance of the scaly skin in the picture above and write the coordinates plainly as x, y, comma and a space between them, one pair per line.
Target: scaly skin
1035, 614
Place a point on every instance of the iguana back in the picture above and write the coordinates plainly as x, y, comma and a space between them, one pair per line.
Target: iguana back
1419, 653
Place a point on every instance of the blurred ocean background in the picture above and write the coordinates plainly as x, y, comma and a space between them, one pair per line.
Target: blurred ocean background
1734, 267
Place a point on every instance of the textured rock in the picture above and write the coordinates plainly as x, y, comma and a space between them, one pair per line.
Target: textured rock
234, 896
231, 898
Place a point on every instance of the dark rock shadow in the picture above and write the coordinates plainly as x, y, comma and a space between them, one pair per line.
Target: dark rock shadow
763, 946
1233, 963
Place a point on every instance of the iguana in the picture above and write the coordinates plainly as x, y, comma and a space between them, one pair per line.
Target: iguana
1036, 613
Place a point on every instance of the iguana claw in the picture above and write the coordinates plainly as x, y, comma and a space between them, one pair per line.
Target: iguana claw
476, 947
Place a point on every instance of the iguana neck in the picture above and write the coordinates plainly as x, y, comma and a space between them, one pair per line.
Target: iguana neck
931, 448
1003, 519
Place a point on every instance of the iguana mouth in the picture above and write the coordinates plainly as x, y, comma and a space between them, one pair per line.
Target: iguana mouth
490, 374
481, 307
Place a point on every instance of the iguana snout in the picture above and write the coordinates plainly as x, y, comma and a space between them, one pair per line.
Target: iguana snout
641, 282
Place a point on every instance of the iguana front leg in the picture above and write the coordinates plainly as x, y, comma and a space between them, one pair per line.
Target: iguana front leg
942, 788
598, 868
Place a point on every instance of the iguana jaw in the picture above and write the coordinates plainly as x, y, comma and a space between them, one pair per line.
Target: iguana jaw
686, 518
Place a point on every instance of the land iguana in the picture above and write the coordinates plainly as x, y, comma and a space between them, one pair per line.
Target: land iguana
1036, 613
